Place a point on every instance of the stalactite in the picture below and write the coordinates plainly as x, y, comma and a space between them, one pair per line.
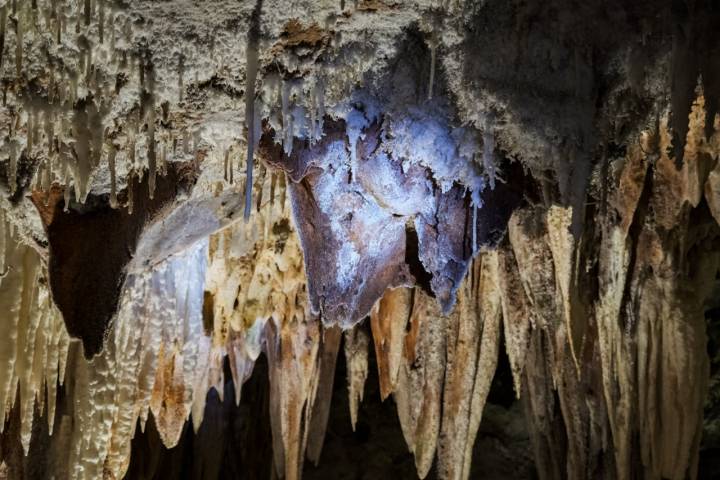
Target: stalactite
18, 43
321, 406
313, 109
488, 299
35, 342
66, 189
226, 164
319, 101
614, 345
4, 244
670, 314
47, 177
83, 152
30, 132
60, 24
292, 356
130, 196
97, 132
112, 152
488, 155
388, 320
3, 22
12, 177
472, 349
356, 354
561, 244
517, 317
253, 39
101, 20
287, 127
163, 158
149, 339
151, 151
418, 393
433, 54
241, 363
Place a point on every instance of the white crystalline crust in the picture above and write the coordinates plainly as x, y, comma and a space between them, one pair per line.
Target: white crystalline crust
123, 96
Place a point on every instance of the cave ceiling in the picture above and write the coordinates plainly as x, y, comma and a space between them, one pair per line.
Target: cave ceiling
204, 199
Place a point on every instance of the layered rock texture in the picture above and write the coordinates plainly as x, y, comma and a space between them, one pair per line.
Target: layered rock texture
488, 230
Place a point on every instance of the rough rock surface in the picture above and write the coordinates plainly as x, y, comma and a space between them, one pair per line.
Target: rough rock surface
196, 195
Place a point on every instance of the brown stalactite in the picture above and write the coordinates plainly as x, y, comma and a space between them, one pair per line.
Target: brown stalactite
423, 372
472, 341
321, 406
388, 320
517, 317
356, 359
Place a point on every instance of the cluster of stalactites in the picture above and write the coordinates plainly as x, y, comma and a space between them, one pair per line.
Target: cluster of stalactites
154, 360
34, 344
62, 119
619, 361
249, 281
68, 128
157, 357
439, 367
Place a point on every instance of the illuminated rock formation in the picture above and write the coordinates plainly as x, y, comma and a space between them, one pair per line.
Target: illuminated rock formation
216, 215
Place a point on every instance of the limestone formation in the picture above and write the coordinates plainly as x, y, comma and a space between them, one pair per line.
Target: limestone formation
210, 211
